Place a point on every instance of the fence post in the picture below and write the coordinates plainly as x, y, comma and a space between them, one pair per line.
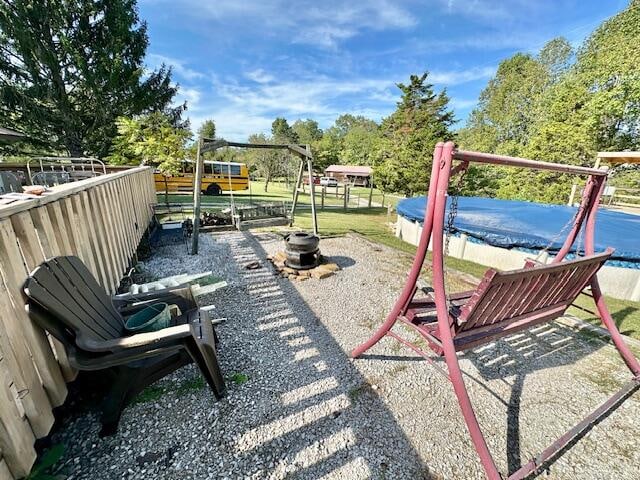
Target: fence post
574, 188
345, 198
324, 192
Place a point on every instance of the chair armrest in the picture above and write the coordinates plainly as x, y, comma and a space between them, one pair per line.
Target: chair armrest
149, 339
181, 295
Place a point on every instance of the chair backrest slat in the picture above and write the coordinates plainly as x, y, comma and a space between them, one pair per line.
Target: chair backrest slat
65, 287
501, 296
92, 293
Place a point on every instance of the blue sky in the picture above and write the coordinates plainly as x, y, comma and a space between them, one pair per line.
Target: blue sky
245, 62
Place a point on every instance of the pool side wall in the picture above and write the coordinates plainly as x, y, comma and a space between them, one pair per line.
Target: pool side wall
617, 282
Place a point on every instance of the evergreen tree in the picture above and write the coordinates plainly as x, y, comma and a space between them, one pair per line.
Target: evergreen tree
69, 68
409, 135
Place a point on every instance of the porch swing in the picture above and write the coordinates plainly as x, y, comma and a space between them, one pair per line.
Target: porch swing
503, 303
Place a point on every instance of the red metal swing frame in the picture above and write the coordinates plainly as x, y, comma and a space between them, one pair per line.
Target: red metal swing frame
443, 335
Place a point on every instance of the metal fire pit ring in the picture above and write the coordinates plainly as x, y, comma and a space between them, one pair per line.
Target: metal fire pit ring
301, 250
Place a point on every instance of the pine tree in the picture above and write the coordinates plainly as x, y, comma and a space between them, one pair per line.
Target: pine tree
69, 68
409, 135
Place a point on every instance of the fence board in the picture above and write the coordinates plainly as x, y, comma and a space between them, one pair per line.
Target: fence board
15, 273
112, 227
101, 220
33, 398
86, 218
60, 228
103, 248
16, 437
5, 473
38, 240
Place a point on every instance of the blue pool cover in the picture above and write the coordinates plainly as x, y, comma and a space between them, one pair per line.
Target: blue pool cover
527, 225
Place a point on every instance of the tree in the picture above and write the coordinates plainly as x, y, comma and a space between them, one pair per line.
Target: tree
595, 106
555, 56
327, 150
358, 145
307, 131
69, 68
267, 163
346, 122
149, 140
282, 132
409, 135
207, 129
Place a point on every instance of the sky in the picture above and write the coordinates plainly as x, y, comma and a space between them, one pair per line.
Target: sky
245, 62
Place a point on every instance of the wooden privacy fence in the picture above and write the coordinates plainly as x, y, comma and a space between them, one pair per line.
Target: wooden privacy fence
101, 220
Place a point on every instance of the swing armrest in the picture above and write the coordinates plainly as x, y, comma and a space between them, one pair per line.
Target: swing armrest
532, 262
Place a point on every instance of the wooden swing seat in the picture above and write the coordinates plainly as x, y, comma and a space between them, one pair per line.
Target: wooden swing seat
506, 302
503, 303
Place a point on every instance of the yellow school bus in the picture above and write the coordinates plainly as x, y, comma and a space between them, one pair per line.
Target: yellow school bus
216, 178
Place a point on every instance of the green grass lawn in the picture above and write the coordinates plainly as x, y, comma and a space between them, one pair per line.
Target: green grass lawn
373, 224
278, 191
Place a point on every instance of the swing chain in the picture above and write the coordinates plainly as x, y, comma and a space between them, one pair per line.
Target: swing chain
453, 212
561, 234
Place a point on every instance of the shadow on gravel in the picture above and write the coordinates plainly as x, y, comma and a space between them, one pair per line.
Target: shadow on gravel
539, 348
515, 357
320, 418
344, 262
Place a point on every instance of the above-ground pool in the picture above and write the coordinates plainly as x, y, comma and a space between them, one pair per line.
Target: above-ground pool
527, 228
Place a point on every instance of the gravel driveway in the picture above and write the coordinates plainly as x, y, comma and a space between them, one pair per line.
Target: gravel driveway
298, 407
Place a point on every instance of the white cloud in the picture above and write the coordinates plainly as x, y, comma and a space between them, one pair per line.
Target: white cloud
259, 76
240, 108
458, 77
323, 25
190, 95
179, 67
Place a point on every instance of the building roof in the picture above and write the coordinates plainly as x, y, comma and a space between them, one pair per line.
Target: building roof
350, 169
620, 157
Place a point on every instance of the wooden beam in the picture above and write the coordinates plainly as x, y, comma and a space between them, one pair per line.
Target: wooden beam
197, 194
619, 157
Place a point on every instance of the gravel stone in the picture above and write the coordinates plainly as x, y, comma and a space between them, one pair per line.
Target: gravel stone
299, 407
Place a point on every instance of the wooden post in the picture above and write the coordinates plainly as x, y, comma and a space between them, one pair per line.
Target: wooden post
345, 197
312, 190
574, 189
197, 188
324, 192
370, 190
295, 191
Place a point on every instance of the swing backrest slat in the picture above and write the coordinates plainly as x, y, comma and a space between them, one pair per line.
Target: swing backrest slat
515, 294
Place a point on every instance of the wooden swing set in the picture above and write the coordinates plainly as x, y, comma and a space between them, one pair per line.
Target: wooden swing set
503, 303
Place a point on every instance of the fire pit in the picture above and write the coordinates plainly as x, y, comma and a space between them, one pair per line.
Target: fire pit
301, 250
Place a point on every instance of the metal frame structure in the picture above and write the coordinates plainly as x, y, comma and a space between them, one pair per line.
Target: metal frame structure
66, 165
211, 145
448, 311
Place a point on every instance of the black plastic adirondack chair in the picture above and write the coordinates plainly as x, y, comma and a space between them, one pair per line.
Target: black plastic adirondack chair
64, 298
